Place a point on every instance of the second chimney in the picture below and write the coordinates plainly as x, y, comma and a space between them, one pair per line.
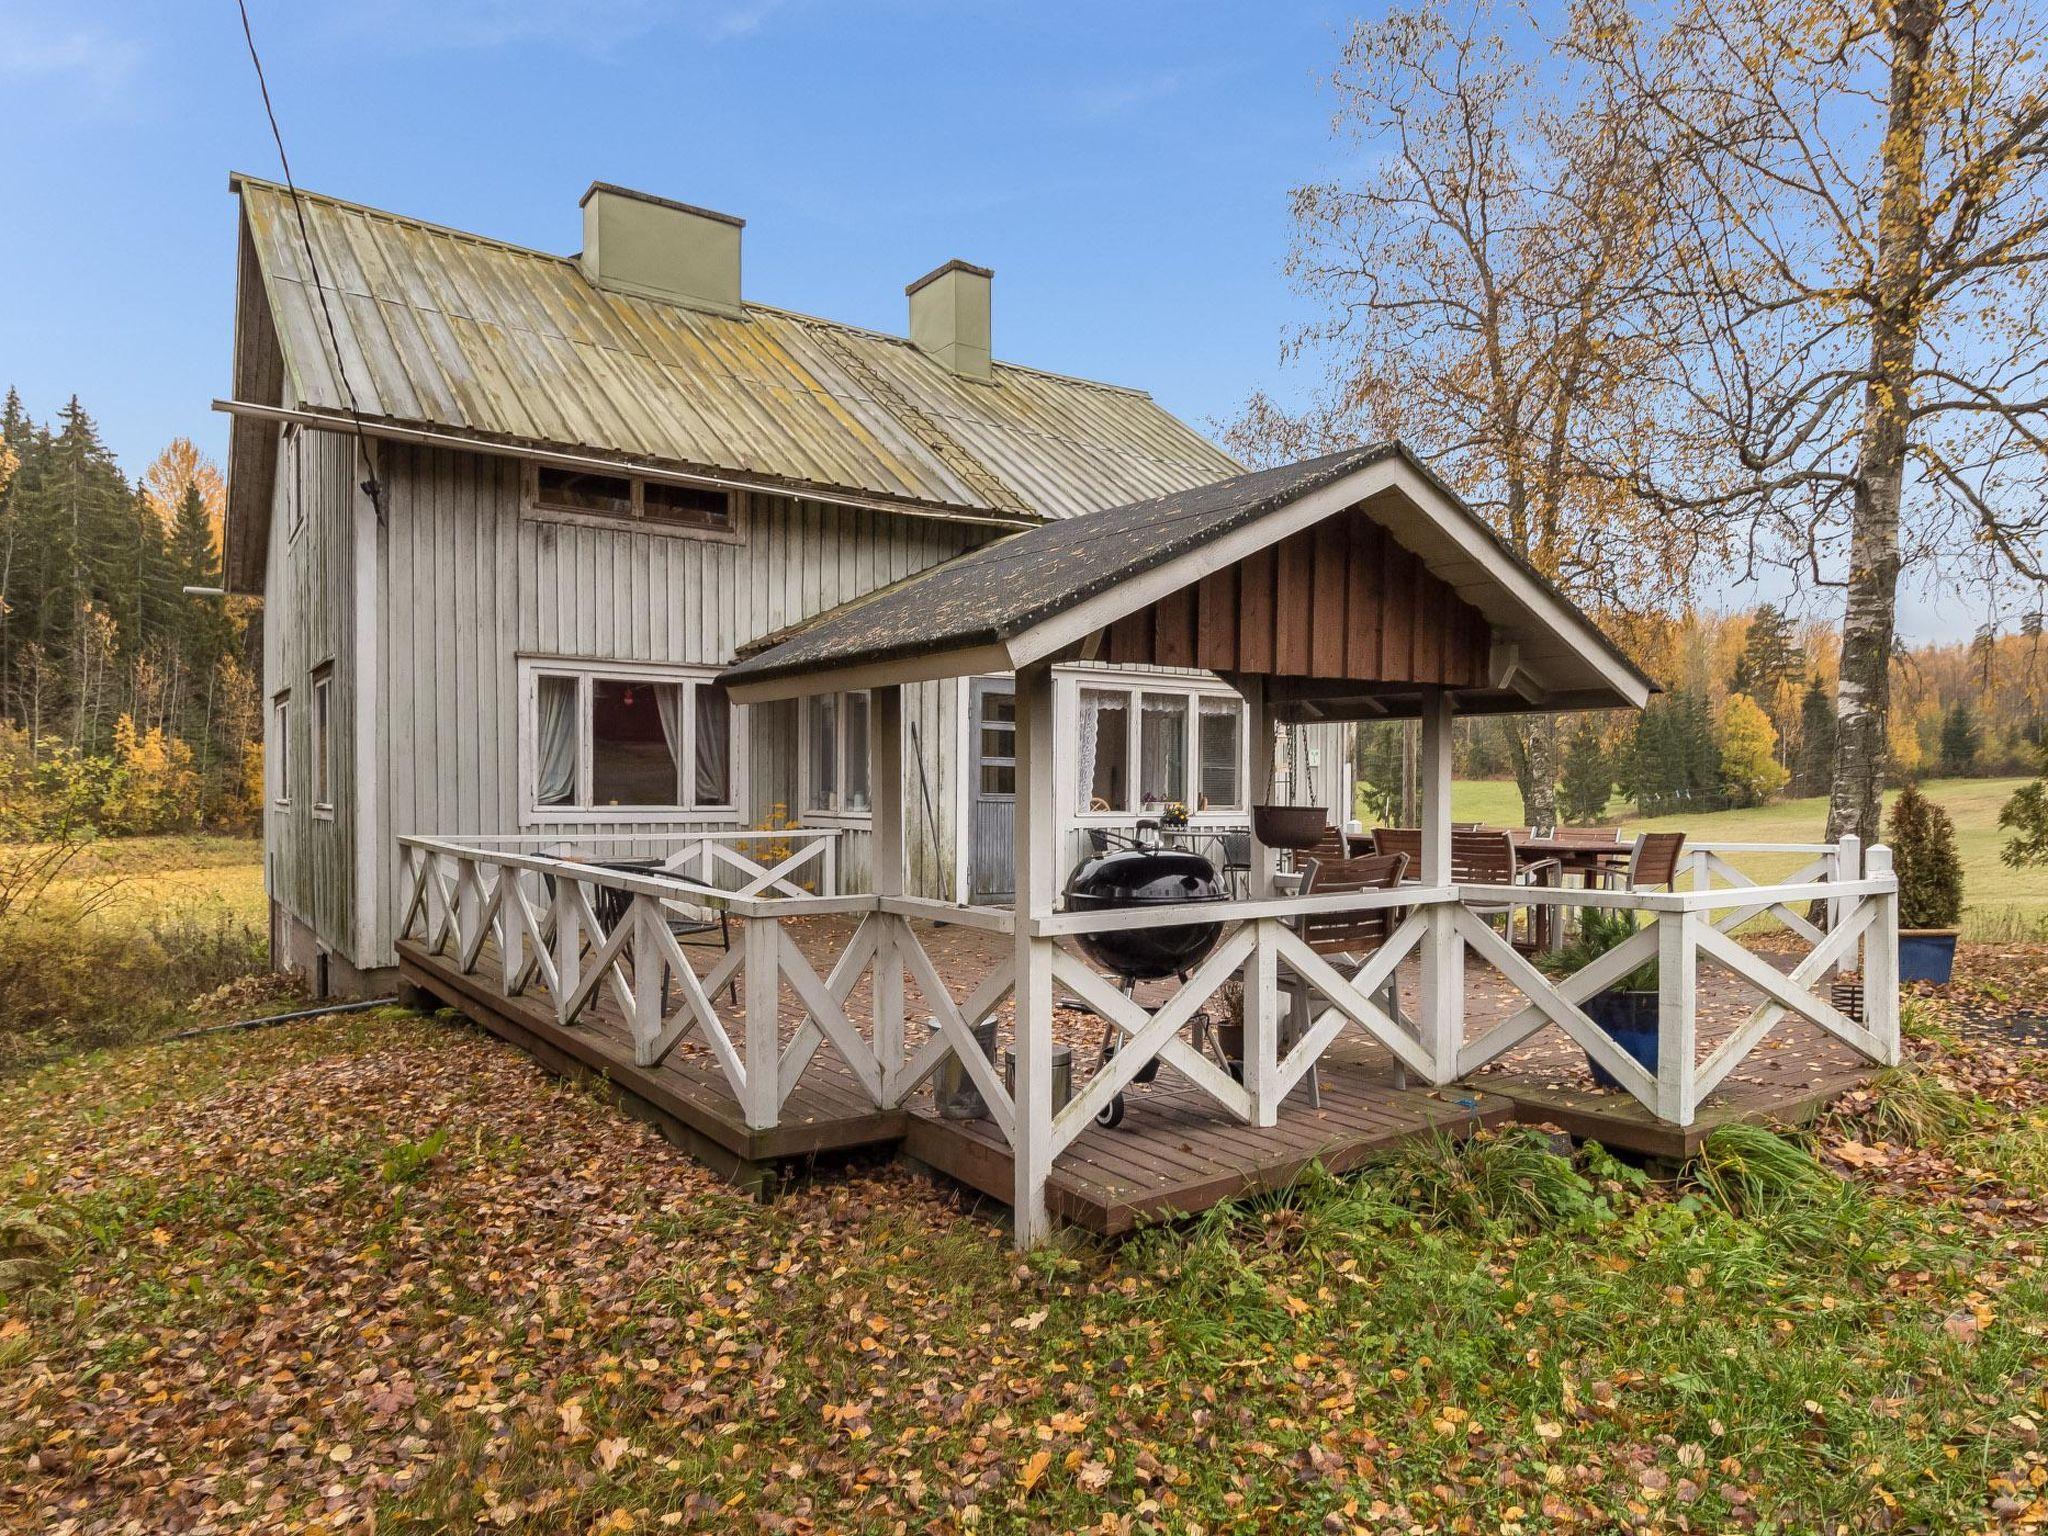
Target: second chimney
641, 244
949, 317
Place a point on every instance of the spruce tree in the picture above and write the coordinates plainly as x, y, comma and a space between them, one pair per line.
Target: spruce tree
1588, 779
1961, 739
1816, 739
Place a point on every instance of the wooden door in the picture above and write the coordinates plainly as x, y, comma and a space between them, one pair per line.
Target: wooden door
992, 791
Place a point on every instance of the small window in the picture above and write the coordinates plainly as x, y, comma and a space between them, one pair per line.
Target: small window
568, 490
835, 754
584, 493
1163, 751
281, 748
692, 506
323, 693
601, 740
295, 478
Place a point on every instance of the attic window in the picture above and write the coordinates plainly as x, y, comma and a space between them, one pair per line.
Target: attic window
578, 494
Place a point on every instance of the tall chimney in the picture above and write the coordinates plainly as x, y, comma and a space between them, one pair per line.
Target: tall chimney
949, 317
640, 244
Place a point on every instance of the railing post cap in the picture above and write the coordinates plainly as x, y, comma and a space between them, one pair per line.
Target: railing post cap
1879, 859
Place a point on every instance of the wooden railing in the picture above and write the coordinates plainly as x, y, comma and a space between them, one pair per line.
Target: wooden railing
711, 858
577, 933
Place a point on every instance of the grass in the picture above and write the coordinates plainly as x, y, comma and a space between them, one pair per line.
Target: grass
381, 1267
2001, 904
193, 872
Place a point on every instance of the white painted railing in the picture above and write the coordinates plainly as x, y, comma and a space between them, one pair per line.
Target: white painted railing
712, 858
578, 933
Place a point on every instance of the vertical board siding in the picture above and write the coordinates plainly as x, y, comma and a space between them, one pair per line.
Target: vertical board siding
308, 623
468, 585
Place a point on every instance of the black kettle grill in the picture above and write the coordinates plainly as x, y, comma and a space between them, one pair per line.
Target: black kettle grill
1144, 877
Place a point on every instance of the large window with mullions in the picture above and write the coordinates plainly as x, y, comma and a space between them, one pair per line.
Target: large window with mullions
609, 741
1144, 745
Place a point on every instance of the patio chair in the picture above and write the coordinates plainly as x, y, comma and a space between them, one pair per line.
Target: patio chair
1655, 860
1236, 848
1403, 840
699, 923
1349, 937
1488, 858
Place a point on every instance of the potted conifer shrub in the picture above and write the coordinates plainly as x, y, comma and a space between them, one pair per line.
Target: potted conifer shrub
1627, 1008
1923, 844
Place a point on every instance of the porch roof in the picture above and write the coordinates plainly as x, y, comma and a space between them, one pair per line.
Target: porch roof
1056, 592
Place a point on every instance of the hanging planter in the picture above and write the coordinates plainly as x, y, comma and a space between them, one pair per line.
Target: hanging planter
1288, 826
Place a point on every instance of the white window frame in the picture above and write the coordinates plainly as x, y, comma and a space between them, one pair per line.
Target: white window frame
587, 673
832, 812
1134, 684
322, 755
295, 480
281, 735
636, 521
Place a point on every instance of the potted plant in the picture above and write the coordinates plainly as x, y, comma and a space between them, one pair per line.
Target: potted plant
1923, 844
1627, 1008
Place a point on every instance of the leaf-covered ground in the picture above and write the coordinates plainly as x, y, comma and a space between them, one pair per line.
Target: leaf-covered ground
383, 1272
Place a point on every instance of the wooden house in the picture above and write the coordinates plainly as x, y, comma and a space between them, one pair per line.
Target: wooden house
600, 479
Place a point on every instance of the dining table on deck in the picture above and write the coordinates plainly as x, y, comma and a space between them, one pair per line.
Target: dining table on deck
1591, 859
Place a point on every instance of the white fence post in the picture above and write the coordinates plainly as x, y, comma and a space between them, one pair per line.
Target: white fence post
1443, 948
1881, 961
650, 990
1848, 866
1260, 980
762, 938
568, 946
885, 876
1677, 1050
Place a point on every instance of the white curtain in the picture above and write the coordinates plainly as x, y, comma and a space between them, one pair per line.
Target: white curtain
714, 745
670, 697
1091, 726
557, 755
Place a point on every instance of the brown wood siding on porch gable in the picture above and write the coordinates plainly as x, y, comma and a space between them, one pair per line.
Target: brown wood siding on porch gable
1340, 600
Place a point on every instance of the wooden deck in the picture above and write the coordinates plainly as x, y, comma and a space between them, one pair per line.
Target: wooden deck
1177, 1152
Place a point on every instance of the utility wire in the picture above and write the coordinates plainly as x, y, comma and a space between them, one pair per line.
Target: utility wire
371, 487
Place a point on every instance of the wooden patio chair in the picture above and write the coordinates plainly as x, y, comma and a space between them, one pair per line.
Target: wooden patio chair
1655, 860
1489, 858
1348, 937
1403, 840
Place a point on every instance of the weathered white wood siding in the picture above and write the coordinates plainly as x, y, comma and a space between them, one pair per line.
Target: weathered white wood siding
309, 595
468, 584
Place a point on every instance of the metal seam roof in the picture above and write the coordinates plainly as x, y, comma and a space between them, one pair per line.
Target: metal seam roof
460, 333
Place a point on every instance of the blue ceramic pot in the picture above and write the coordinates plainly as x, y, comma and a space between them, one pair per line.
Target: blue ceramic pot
1927, 954
1630, 1020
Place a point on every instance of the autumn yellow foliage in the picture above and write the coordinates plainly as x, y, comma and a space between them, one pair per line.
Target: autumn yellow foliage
1750, 769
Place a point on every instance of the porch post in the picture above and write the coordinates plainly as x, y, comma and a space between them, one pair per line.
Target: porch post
1443, 952
1037, 886
1881, 961
885, 874
1258, 718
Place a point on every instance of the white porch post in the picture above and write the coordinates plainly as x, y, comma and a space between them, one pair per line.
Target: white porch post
1443, 952
885, 874
761, 940
1881, 961
1258, 715
1677, 1046
1037, 882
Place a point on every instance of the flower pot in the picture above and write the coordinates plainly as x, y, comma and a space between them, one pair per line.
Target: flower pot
1289, 826
1630, 1020
1927, 954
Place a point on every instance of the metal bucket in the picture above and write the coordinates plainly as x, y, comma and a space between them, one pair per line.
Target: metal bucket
1062, 1075
952, 1089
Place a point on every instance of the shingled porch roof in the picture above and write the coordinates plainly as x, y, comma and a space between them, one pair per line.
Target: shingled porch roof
1067, 591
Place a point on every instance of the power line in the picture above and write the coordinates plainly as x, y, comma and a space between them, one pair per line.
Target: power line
371, 487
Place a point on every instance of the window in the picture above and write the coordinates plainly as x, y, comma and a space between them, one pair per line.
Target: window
640, 738
323, 692
1144, 747
294, 478
835, 754
280, 746
581, 493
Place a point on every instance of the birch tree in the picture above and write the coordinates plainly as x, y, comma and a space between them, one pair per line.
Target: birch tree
1854, 379
1482, 279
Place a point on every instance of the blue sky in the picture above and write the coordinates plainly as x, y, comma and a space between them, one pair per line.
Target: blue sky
1123, 166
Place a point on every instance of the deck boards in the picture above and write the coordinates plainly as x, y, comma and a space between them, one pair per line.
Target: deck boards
1177, 1151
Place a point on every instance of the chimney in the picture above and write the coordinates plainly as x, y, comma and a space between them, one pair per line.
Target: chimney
639, 244
949, 317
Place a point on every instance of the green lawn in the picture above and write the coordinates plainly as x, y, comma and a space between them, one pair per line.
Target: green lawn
2000, 902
